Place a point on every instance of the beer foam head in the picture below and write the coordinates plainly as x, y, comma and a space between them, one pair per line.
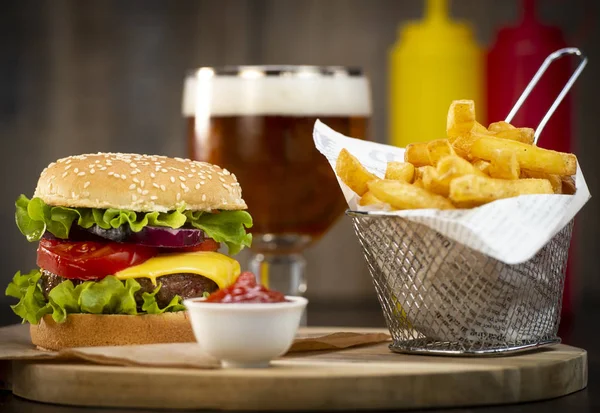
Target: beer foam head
307, 92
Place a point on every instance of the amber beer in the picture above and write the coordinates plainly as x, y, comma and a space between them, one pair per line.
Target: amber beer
260, 127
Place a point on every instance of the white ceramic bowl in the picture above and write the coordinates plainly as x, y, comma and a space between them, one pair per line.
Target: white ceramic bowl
245, 334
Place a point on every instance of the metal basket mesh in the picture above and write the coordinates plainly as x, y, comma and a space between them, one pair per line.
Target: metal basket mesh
439, 296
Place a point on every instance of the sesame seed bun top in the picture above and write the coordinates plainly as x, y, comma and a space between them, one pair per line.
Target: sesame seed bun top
138, 183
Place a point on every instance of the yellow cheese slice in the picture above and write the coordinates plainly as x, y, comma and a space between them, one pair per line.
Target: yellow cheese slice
220, 268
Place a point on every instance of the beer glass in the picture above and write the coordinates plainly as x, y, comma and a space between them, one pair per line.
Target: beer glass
257, 121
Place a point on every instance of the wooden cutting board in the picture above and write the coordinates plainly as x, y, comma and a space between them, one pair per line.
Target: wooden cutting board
368, 377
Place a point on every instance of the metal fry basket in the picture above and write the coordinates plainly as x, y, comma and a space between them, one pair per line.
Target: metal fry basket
441, 297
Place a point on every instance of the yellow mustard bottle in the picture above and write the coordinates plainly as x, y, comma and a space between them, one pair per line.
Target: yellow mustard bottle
434, 62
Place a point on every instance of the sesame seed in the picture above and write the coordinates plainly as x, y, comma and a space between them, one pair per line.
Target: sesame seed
68, 167
226, 172
209, 176
172, 179
178, 196
132, 186
197, 186
163, 188
190, 175
92, 171
222, 179
76, 170
82, 173
203, 197
142, 183
154, 184
225, 186
86, 184
152, 175
164, 170
134, 172
133, 165
145, 192
65, 174
123, 176
136, 180
202, 182
134, 197
153, 197
72, 194
139, 190
179, 159
182, 178
97, 161
110, 173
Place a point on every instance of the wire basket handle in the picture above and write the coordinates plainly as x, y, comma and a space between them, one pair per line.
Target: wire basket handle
549, 60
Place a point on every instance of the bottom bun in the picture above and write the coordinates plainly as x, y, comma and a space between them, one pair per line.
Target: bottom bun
85, 330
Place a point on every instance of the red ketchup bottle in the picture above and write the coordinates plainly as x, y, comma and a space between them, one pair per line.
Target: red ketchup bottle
511, 63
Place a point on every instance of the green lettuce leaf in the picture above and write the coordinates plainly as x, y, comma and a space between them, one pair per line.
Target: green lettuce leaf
225, 226
108, 296
32, 305
34, 217
64, 299
150, 305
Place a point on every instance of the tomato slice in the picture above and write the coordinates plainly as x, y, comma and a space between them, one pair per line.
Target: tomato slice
89, 260
206, 245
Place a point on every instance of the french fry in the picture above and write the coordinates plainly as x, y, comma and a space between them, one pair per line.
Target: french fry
477, 190
417, 154
568, 185
525, 135
438, 149
369, 199
419, 172
461, 118
400, 171
401, 195
432, 183
352, 173
483, 166
504, 165
500, 126
451, 167
462, 145
529, 156
479, 128
555, 180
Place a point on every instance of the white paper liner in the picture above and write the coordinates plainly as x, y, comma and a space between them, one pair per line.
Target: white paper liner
510, 230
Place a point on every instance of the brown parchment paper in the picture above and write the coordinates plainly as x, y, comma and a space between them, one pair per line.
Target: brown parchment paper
15, 344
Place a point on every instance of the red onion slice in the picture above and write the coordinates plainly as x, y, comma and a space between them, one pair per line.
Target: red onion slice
167, 237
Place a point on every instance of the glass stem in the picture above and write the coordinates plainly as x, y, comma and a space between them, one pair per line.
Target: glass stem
281, 272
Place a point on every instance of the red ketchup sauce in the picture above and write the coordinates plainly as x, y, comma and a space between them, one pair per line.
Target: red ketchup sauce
246, 290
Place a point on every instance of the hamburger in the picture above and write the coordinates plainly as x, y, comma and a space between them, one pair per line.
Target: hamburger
122, 240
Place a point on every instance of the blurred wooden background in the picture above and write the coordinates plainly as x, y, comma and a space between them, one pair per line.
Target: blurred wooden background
107, 75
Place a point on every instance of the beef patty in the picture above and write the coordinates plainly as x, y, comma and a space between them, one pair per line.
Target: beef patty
183, 285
